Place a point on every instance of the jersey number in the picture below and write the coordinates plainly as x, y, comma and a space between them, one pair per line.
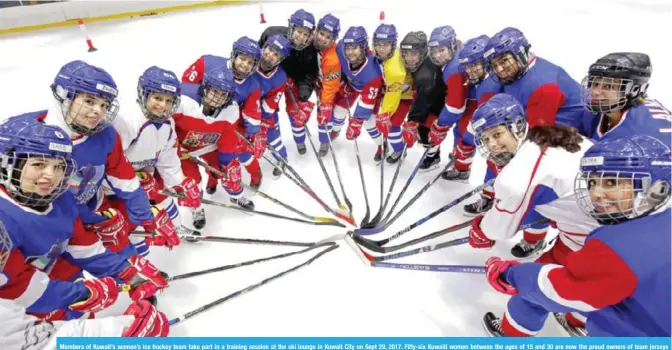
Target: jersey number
373, 93
192, 76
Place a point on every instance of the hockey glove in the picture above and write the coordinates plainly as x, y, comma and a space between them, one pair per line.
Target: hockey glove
267, 123
148, 184
410, 133
163, 226
191, 191
112, 231
148, 322
495, 269
383, 123
463, 156
259, 140
143, 277
324, 114
477, 239
302, 115
232, 180
104, 292
354, 128
438, 133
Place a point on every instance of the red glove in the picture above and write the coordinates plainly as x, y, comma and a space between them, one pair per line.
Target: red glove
149, 322
495, 268
233, 177
148, 184
111, 230
477, 238
192, 193
302, 115
268, 123
438, 133
163, 225
383, 123
354, 128
145, 279
259, 142
104, 292
324, 111
410, 133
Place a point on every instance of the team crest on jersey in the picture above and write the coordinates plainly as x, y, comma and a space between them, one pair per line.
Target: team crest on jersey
333, 76
46, 261
395, 87
199, 139
84, 184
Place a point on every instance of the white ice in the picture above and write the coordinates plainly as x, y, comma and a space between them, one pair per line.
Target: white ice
337, 295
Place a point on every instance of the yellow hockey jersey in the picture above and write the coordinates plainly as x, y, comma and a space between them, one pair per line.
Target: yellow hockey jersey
398, 83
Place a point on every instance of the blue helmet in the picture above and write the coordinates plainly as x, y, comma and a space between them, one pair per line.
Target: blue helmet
385, 33
219, 78
440, 37
79, 77
613, 167
158, 80
505, 110
471, 54
279, 44
304, 19
25, 140
331, 24
249, 47
355, 36
509, 40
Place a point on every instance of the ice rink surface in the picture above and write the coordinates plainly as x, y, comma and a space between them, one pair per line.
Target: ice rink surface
337, 295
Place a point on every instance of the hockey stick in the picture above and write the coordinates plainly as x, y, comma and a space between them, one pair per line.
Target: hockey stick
249, 288
338, 175
232, 240
376, 219
378, 215
319, 159
407, 205
322, 243
361, 176
373, 245
299, 181
277, 216
479, 270
264, 195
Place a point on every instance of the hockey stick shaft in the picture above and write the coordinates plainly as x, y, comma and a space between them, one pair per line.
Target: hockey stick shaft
264, 195
394, 181
471, 269
338, 174
246, 263
235, 240
369, 244
248, 289
361, 176
406, 185
379, 214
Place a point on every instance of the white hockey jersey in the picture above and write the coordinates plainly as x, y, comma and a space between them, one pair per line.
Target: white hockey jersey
19, 331
150, 146
530, 179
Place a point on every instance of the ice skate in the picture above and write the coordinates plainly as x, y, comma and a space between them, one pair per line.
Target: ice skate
324, 150
187, 234
493, 325
479, 207
574, 331
198, 218
524, 249
430, 162
395, 157
301, 147
453, 174
243, 203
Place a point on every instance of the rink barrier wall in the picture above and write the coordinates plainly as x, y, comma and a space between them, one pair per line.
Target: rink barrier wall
45, 16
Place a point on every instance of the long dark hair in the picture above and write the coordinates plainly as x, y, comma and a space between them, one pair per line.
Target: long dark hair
565, 137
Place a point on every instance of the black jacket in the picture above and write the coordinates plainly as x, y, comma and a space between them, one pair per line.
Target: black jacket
300, 66
430, 92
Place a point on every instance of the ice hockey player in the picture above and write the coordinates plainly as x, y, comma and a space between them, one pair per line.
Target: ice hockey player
364, 80
245, 56
443, 51
43, 221
18, 330
329, 82
430, 92
397, 90
205, 123
301, 66
150, 144
624, 266
543, 89
615, 91
481, 88
273, 81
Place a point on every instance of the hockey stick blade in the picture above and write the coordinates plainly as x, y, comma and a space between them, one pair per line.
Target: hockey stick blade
206, 307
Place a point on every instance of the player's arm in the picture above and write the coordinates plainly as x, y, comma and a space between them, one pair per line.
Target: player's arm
543, 105
456, 99
593, 278
395, 75
121, 176
270, 103
168, 164
194, 74
308, 78
369, 97
424, 84
250, 111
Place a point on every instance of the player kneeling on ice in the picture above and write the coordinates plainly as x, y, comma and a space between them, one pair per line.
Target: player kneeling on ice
150, 144
530, 175
621, 277
205, 123
49, 239
19, 330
